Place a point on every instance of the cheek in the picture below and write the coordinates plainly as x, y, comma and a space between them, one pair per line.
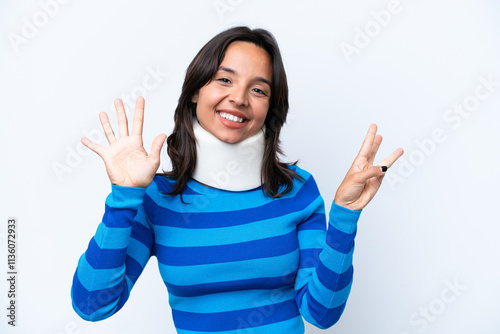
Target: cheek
261, 112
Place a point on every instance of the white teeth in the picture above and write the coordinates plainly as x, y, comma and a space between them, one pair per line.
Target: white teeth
230, 117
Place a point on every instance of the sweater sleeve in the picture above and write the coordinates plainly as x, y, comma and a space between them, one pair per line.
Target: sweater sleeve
324, 279
115, 256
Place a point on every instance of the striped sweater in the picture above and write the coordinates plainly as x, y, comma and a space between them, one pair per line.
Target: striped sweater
232, 262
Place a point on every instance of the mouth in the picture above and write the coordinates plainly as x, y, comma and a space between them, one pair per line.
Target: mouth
231, 117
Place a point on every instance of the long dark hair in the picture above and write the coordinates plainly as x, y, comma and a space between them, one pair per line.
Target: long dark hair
277, 178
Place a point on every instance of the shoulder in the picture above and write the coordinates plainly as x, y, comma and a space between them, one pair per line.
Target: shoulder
306, 186
301, 172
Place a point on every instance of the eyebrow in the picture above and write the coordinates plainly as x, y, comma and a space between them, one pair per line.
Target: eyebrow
230, 70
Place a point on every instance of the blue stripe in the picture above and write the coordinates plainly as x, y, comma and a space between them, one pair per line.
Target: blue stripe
309, 258
133, 269
240, 319
317, 221
324, 317
104, 258
340, 241
118, 217
236, 300
149, 212
332, 280
92, 301
290, 326
273, 209
260, 283
256, 249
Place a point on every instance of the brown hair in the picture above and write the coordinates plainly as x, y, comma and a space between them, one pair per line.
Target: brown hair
277, 178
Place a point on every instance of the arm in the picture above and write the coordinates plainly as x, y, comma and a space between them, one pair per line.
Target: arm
118, 252
324, 279
116, 255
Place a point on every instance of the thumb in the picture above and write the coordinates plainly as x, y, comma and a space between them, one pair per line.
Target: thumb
373, 171
157, 145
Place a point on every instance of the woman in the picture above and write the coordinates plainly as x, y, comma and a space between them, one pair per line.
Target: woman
239, 236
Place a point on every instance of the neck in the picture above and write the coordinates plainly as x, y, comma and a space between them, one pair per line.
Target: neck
234, 167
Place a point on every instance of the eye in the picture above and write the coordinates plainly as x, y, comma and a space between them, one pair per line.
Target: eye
224, 80
260, 91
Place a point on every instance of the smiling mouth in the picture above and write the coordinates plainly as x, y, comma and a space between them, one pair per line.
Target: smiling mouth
230, 117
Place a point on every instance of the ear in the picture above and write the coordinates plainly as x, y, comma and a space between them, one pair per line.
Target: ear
194, 98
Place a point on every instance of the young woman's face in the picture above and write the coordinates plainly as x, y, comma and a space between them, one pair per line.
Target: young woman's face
234, 104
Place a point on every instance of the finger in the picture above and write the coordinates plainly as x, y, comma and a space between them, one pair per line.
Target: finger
376, 145
392, 158
93, 146
122, 118
366, 148
157, 146
106, 126
138, 116
373, 171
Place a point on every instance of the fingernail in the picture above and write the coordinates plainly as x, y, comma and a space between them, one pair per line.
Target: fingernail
383, 169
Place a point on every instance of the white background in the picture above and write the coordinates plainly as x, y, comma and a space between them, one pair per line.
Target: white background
433, 221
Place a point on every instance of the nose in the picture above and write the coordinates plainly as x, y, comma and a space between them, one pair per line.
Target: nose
238, 96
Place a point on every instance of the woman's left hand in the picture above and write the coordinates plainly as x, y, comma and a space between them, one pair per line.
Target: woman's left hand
363, 179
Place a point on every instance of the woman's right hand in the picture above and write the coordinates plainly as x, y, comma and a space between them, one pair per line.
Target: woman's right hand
127, 163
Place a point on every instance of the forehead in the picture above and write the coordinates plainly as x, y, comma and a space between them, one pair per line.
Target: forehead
248, 57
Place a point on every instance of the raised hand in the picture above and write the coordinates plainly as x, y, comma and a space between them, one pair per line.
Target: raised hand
363, 179
127, 163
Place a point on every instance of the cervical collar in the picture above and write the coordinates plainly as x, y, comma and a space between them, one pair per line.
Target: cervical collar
234, 167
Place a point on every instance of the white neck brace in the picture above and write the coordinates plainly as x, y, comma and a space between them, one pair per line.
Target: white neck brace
234, 167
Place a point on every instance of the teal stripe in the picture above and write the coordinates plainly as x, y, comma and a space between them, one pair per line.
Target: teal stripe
130, 284
344, 219
98, 279
302, 277
231, 301
119, 239
185, 237
304, 310
324, 295
138, 251
125, 197
311, 239
335, 259
290, 326
229, 271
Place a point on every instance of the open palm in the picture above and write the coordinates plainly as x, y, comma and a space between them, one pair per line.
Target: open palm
127, 162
